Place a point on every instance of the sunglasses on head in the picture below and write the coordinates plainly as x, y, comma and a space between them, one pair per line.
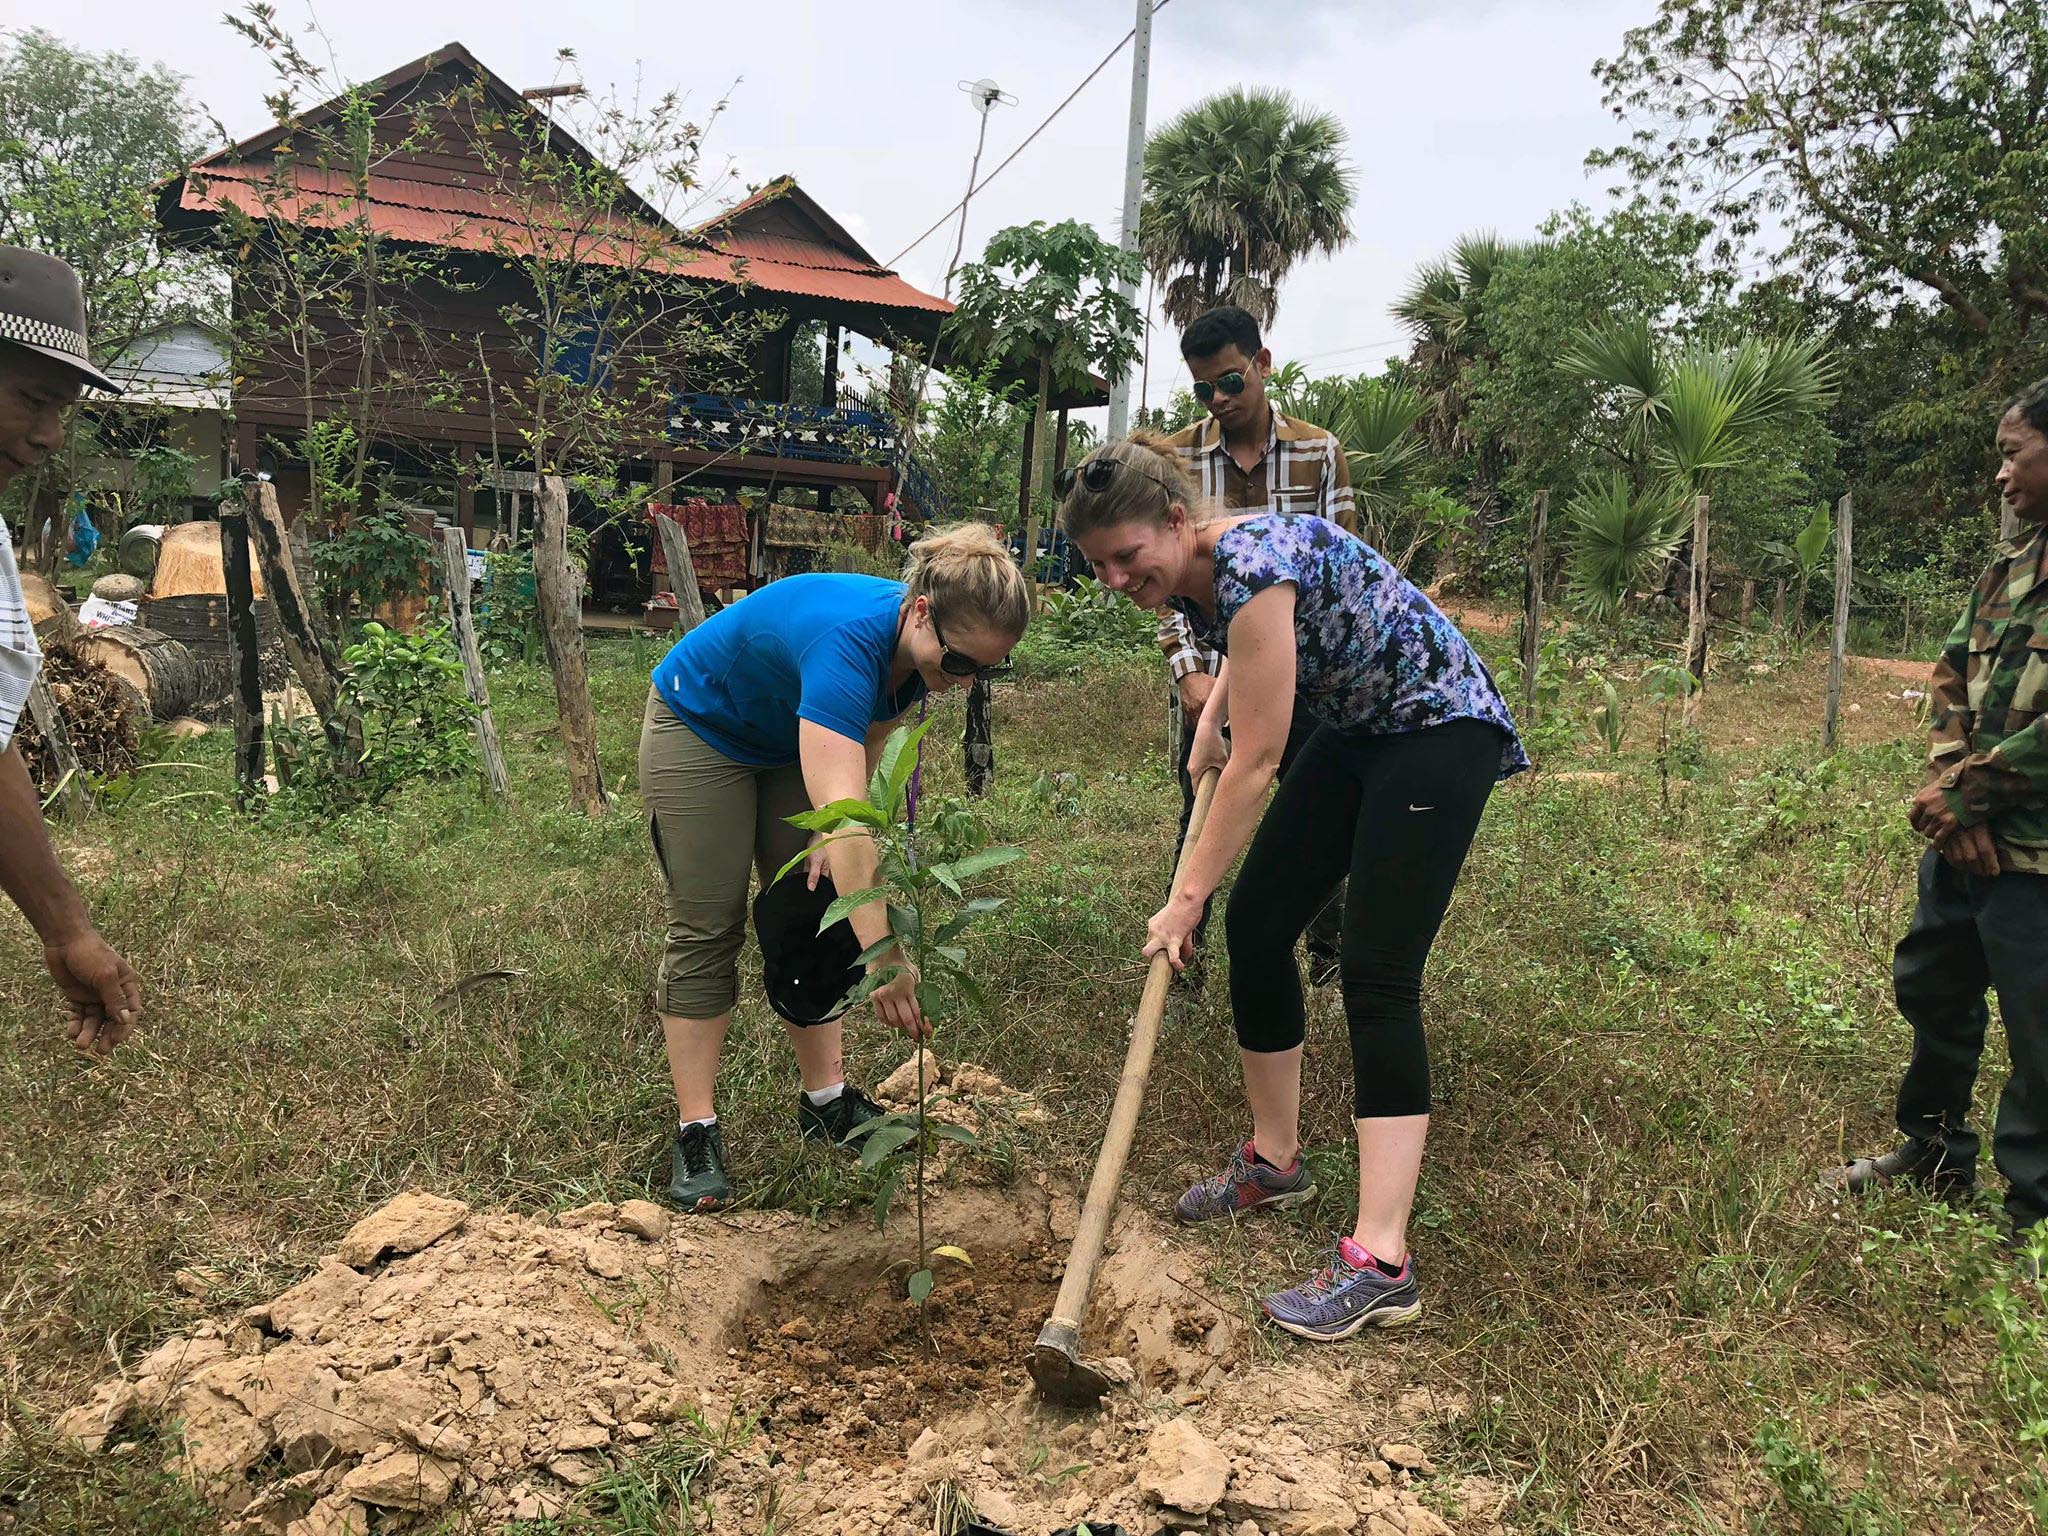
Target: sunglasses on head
1231, 383
1098, 473
956, 664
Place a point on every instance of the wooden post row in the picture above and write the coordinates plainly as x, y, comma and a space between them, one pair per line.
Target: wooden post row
455, 574
245, 656
1838, 650
1532, 598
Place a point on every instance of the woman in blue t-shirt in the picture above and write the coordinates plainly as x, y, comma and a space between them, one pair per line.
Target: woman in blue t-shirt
772, 706
1388, 791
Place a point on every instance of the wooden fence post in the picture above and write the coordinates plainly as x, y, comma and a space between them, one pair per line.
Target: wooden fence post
1839, 650
682, 573
979, 742
1532, 599
57, 742
1748, 603
558, 587
455, 573
312, 652
1696, 621
245, 658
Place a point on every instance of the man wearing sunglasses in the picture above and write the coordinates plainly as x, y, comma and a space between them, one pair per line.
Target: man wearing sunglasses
1249, 458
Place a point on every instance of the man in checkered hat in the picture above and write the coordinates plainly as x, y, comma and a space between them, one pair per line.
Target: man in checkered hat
44, 367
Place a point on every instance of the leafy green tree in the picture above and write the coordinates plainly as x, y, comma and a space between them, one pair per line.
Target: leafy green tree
973, 444
1891, 162
1238, 189
84, 137
1045, 297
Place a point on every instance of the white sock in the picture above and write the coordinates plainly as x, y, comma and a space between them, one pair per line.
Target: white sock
707, 1120
820, 1097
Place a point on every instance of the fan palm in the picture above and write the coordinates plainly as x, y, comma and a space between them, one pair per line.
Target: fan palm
1685, 414
1238, 189
1619, 539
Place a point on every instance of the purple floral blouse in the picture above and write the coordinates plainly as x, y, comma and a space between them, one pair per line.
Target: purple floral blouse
1374, 656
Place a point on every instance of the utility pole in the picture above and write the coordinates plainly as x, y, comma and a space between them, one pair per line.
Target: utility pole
1134, 179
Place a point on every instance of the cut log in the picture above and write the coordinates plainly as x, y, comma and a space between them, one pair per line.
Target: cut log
118, 589
51, 615
167, 677
188, 563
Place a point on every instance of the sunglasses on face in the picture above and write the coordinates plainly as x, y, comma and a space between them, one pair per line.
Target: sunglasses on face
956, 664
1231, 383
1097, 475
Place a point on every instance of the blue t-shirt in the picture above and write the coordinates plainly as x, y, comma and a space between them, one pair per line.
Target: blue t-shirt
1373, 655
817, 647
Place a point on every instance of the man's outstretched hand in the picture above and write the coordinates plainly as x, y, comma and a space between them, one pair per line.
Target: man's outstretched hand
103, 990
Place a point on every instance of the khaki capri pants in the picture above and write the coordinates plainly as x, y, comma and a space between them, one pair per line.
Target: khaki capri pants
711, 819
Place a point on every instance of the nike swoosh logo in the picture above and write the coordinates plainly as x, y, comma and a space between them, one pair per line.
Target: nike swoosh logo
1421, 807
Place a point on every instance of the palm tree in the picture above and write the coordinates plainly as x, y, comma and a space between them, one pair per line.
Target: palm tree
1682, 415
1239, 188
1445, 308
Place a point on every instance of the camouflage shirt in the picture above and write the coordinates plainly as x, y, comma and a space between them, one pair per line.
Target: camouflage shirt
1989, 720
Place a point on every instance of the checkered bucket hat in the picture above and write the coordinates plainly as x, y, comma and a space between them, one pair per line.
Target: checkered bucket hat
42, 308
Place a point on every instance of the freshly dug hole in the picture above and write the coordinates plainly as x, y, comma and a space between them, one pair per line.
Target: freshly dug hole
838, 1355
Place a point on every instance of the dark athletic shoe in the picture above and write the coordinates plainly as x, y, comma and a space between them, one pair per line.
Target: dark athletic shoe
838, 1118
1349, 1293
1910, 1162
696, 1169
1245, 1185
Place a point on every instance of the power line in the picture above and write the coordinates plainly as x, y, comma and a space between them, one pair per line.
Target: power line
939, 223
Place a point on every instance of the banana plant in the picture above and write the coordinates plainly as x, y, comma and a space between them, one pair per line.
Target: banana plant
928, 909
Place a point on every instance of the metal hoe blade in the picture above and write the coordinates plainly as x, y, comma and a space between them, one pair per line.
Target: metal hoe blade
1062, 1376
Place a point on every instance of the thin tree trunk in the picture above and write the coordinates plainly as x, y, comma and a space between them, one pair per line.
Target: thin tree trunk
1532, 599
246, 682
455, 574
558, 586
1696, 622
1778, 608
1838, 650
1748, 602
1041, 442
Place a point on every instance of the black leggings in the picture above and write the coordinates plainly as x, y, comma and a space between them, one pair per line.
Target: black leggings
1397, 814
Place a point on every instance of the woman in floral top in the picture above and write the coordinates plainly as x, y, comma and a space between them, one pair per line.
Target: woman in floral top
1389, 791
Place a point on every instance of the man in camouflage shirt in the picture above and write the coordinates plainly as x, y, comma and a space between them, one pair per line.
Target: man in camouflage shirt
1982, 918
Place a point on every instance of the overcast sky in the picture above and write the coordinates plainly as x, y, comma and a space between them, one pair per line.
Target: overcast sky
1469, 116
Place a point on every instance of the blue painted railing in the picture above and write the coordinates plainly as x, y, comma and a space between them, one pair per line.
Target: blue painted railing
848, 435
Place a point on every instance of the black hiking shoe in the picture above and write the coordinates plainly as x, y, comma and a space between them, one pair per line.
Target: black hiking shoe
836, 1119
696, 1169
1919, 1163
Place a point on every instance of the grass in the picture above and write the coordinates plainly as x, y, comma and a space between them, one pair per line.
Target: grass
1650, 1027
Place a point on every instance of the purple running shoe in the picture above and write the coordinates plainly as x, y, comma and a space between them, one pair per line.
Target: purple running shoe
1351, 1293
1246, 1185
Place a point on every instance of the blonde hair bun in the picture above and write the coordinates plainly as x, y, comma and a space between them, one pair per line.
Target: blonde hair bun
967, 574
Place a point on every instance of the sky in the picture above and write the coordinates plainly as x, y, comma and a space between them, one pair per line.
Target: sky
1465, 117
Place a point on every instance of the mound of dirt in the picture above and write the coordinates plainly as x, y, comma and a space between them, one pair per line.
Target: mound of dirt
446, 1364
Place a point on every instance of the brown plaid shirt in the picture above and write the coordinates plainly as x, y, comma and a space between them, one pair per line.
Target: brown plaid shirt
1303, 469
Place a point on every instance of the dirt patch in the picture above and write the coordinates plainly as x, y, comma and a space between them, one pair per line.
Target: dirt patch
481, 1366
847, 1363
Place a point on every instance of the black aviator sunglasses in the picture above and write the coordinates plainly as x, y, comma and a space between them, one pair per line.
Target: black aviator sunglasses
957, 664
1231, 383
1097, 473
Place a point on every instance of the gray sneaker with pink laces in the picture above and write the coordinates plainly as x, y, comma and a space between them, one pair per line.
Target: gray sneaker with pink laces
1246, 1185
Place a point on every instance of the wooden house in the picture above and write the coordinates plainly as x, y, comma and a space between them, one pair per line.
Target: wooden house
448, 432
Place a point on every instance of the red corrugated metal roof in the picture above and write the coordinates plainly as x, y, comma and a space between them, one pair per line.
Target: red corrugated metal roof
474, 219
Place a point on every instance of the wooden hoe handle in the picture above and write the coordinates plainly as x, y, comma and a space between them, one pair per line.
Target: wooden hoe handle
1093, 1228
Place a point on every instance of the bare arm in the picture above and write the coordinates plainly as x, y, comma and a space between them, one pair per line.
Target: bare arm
1261, 702
104, 994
